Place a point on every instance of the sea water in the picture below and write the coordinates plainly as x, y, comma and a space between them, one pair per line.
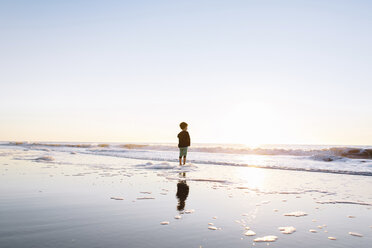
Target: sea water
355, 160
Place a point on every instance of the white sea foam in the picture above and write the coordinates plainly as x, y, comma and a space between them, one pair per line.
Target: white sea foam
325, 157
158, 166
269, 238
293, 150
345, 160
355, 234
249, 233
296, 214
212, 228
287, 229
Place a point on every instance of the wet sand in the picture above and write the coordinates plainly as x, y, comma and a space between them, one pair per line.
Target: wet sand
75, 200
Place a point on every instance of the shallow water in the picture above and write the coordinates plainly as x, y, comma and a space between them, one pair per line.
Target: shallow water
67, 202
355, 160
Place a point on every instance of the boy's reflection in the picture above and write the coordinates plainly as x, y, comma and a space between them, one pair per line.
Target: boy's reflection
182, 191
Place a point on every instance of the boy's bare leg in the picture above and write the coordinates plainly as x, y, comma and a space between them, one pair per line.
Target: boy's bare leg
180, 161
184, 160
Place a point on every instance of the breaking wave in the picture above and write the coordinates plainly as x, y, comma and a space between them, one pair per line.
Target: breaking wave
328, 159
320, 153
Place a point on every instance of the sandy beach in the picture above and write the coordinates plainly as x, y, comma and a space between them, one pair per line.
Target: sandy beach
267, 104
60, 199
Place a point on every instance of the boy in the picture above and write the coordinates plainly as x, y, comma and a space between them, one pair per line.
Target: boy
183, 142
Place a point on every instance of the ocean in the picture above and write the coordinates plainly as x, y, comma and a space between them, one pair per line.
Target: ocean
356, 160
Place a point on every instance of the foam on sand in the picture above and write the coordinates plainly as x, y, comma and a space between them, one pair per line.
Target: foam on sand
287, 229
355, 234
269, 238
249, 233
296, 214
158, 166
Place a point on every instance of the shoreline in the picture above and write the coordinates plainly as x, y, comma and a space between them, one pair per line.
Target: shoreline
280, 160
90, 200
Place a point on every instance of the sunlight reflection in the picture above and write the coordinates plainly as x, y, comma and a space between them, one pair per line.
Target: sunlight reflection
252, 177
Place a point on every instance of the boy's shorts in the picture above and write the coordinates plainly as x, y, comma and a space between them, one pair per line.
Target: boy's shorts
183, 152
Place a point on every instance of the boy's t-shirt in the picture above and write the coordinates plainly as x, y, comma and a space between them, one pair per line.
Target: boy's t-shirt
183, 139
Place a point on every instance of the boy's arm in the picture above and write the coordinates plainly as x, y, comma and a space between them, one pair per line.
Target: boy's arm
188, 139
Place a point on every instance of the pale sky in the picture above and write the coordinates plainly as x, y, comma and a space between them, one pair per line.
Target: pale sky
251, 72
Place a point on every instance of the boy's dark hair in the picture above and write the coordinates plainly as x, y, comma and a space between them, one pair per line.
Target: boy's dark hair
183, 125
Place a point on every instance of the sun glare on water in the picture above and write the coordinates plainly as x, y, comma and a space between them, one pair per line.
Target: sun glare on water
252, 177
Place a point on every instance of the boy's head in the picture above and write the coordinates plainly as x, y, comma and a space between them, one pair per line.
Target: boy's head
183, 126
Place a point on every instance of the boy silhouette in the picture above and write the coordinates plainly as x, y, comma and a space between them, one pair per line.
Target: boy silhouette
183, 142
